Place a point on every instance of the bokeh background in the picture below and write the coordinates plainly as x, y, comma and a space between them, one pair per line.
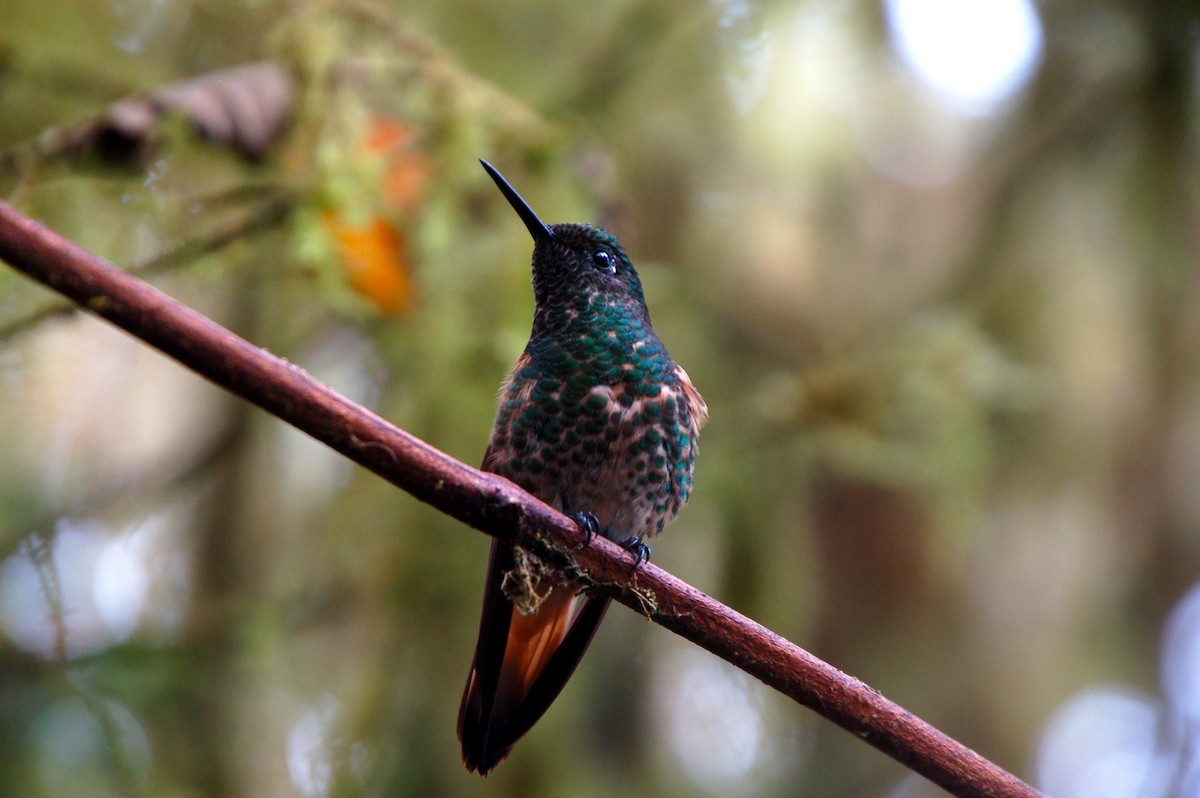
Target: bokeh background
933, 264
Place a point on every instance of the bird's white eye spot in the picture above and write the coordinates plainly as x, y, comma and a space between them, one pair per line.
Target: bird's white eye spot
604, 261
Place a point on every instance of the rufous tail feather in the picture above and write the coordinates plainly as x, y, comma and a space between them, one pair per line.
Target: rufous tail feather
521, 663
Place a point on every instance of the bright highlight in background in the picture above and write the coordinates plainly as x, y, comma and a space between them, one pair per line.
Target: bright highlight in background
975, 55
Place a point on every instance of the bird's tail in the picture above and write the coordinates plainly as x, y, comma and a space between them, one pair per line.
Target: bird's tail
522, 662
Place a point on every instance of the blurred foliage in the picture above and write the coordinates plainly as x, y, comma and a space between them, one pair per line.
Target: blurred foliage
949, 354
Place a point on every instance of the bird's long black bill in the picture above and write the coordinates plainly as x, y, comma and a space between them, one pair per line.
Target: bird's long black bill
537, 228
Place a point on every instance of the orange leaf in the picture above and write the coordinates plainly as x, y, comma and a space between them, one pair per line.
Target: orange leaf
376, 261
407, 179
387, 135
407, 168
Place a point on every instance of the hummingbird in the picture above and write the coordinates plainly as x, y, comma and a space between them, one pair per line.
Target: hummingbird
598, 421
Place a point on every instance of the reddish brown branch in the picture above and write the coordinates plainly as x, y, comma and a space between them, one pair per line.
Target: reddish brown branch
493, 505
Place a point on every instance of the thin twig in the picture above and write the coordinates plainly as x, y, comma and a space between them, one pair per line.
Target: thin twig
266, 216
40, 551
493, 505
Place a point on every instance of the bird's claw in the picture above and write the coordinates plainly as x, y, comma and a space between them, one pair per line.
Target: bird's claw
639, 550
588, 524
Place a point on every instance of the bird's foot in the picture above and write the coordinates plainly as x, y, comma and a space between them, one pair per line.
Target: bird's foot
588, 523
639, 550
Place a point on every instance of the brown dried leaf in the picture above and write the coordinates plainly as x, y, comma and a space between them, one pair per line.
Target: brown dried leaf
246, 107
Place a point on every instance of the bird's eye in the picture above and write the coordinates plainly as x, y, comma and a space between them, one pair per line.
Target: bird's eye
604, 261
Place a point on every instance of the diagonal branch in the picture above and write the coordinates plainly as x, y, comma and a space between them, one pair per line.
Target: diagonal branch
493, 505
